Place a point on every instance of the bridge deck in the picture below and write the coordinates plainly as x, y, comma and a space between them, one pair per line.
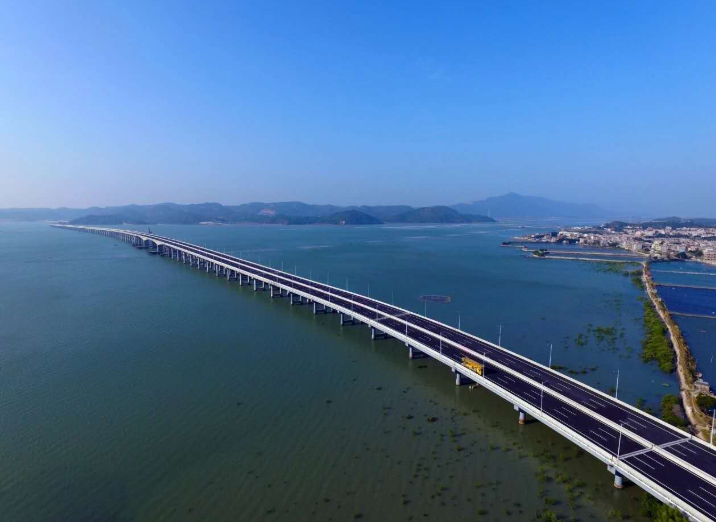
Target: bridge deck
665, 461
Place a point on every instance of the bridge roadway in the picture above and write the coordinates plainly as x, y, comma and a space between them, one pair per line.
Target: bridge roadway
676, 467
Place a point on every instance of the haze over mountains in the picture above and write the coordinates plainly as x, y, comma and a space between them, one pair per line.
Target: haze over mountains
512, 205
295, 212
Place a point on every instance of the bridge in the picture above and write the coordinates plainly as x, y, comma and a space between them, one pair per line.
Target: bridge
674, 466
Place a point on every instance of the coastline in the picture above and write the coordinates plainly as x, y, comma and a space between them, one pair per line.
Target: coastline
686, 369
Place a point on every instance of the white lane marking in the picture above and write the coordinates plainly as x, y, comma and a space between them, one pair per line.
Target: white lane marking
612, 435
639, 460
635, 421
598, 435
647, 456
702, 498
674, 450
533, 396
568, 411
560, 414
686, 447
707, 491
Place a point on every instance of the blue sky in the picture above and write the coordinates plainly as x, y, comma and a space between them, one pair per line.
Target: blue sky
108, 103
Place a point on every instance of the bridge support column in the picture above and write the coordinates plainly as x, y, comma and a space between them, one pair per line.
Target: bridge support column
319, 308
345, 321
377, 334
460, 379
618, 480
292, 301
618, 477
276, 294
521, 416
414, 353
240, 279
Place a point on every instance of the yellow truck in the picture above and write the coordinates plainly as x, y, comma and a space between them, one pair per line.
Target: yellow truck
472, 365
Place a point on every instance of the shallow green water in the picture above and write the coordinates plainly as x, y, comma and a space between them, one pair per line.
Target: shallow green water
133, 388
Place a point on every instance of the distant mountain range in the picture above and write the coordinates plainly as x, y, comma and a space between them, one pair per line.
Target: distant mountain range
513, 205
297, 213
283, 213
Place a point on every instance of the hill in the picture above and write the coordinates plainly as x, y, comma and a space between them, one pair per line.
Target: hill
438, 214
514, 205
108, 219
349, 217
345, 217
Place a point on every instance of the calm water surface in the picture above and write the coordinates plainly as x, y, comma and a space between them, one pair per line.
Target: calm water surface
700, 333
137, 389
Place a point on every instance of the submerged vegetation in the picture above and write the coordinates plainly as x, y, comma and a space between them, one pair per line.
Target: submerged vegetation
656, 345
659, 512
622, 268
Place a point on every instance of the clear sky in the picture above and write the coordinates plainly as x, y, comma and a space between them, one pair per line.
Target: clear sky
369, 102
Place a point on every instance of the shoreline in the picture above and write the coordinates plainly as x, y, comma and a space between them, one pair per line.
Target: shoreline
686, 370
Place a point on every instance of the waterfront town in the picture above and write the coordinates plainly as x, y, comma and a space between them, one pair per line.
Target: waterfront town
697, 243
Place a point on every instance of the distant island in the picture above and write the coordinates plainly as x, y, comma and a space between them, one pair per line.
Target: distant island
507, 206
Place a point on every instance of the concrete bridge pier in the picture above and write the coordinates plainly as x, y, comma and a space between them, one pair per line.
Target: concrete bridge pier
618, 477
521, 415
414, 353
319, 308
279, 293
240, 279
345, 321
293, 301
460, 379
376, 334
618, 480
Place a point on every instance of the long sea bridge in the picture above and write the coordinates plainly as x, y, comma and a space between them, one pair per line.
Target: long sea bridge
670, 464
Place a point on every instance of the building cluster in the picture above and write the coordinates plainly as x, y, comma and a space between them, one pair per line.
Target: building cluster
698, 244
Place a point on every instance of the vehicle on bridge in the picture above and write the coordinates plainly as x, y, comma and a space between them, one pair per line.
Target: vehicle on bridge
472, 365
